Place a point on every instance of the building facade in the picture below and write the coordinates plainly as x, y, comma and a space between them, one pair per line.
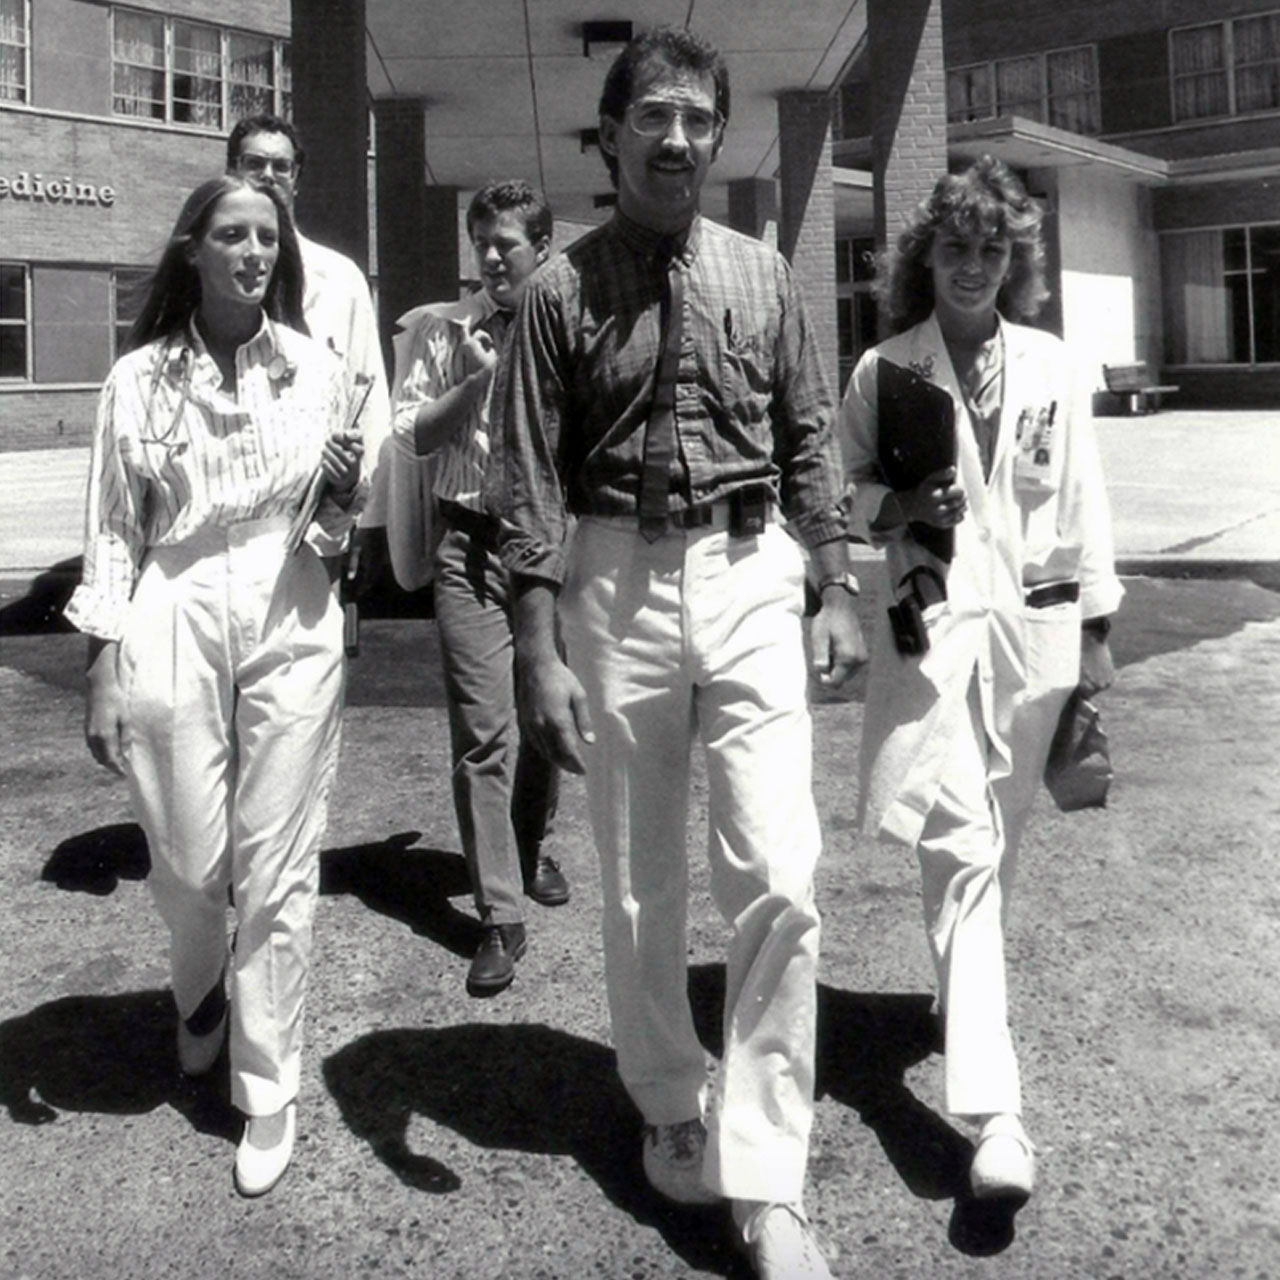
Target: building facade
1152, 131
109, 115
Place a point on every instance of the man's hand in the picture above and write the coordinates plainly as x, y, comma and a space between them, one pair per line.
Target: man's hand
551, 699
1097, 670
104, 706
553, 712
838, 647
478, 351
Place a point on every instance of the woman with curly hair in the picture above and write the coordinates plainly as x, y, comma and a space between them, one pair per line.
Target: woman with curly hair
215, 653
972, 465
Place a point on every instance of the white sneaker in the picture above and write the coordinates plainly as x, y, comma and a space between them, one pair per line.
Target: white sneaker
1004, 1165
673, 1161
781, 1244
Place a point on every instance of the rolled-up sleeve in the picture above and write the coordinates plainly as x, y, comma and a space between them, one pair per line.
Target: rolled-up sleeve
524, 487
865, 490
803, 412
115, 539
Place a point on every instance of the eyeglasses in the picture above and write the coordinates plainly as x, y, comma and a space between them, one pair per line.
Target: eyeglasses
255, 164
654, 120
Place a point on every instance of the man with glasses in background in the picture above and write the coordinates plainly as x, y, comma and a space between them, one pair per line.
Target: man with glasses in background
336, 304
661, 385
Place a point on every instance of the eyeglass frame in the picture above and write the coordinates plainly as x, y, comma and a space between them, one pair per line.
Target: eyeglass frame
674, 110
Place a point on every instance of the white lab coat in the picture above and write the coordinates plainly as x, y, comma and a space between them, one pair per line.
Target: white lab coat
1013, 537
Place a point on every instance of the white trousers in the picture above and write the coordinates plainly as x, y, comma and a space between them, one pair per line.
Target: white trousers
700, 634
967, 854
233, 671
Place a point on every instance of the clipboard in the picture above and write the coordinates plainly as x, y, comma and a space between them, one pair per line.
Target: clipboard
315, 490
916, 436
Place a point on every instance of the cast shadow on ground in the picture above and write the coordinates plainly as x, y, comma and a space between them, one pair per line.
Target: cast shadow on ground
39, 612
866, 1044
96, 861
414, 886
114, 1055
520, 1088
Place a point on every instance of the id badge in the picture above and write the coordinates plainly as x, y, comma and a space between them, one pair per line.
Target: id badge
1036, 443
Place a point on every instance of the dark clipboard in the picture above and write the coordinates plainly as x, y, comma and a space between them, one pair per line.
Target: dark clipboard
916, 432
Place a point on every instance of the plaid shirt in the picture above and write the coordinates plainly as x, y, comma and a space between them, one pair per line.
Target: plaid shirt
574, 388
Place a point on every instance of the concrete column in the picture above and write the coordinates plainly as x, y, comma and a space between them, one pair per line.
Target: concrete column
909, 88
753, 208
807, 226
417, 223
330, 108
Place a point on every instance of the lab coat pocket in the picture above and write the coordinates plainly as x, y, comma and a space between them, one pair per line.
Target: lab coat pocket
1053, 650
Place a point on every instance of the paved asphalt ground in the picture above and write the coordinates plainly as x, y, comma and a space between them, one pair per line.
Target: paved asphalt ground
448, 1137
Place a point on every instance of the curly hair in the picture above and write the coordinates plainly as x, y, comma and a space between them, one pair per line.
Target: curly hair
985, 199
500, 197
678, 48
173, 290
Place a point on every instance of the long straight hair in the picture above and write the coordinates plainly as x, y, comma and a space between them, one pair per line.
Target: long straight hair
173, 290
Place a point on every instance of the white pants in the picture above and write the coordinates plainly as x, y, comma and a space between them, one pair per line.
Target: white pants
233, 671
966, 866
700, 633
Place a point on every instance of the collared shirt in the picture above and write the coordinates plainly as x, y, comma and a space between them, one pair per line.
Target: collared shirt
174, 456
339, 313
433, 363
982, 384
574, 389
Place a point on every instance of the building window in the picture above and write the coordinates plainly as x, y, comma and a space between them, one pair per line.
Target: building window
1222, 295
194, 73
15, 35
856, 313
128, 293
1059, 88
1226, 68
15, 312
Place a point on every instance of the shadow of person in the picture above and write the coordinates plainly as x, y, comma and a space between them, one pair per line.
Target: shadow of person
96, 861
411, 885
866, 1044
114, 1055
39, 612
565, 1099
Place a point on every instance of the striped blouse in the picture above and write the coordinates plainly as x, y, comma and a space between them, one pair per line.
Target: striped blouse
174, 456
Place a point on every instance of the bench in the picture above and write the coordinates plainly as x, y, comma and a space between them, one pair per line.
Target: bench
1138, 390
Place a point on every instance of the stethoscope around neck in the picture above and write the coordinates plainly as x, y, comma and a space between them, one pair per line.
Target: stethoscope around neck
178, 369
181, 377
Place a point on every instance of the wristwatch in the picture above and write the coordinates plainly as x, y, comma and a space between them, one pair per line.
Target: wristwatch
1099, 628
847, 580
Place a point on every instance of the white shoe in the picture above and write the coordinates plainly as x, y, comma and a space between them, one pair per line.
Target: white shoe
781, 1244
197, 1054
673, 1161
1004, 1165
258, 1169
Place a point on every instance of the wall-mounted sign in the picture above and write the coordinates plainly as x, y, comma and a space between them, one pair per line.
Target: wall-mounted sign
64, 190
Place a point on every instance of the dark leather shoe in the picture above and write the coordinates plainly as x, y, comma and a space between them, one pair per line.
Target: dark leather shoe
547, 884
494, 965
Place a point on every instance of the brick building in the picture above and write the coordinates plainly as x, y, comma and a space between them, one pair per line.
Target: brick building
1152, 131
109, 115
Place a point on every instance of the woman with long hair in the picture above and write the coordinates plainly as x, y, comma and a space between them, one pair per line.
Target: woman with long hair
216, 667
972, 464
